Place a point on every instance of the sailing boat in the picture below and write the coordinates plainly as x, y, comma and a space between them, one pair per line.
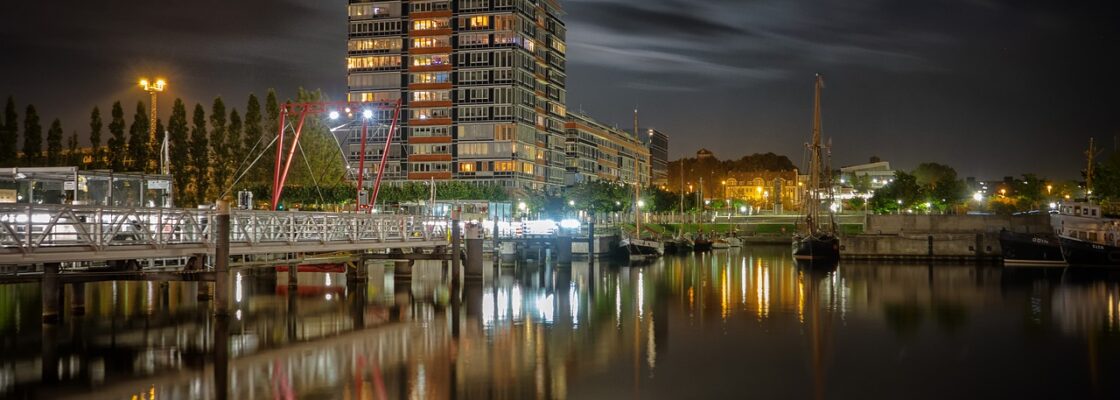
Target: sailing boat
816, 241
635, 246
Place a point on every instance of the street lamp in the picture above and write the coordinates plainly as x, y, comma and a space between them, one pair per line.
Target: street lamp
641, 203
153, 88
978, 196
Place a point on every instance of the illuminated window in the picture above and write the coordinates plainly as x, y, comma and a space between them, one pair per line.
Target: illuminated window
430, 77
431, 95
429, 24
474, 39
428, 60
429, 113
503, 166
430, 42
373, 62
374, 44
466, 167
479, 21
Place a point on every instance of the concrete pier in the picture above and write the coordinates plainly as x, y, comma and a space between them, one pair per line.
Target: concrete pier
475, 256
221, 259
50, 293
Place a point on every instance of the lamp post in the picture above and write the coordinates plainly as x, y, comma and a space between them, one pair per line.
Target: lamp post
153, 88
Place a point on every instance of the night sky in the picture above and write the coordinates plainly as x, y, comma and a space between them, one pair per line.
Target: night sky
993, 88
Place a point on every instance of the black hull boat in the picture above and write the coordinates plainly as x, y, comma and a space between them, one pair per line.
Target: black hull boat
701, 244
1083, 253
639, 248
820, 248
671, 246
1031, 249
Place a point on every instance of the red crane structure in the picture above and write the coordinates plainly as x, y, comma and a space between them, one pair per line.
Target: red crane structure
302, 110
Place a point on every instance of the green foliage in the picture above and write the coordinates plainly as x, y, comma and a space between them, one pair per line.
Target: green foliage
54, 144
138, 138
233, 143
253, 143
861, 183
199, 157
97, 153
658, 200
179, 152
417, 191
600, 196
155, 147
904, 192
117, 143
9, 135
317, 160
219, 152
73, 154
32, 138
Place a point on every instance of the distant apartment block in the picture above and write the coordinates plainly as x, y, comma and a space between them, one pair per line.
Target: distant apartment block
658, 144
597, 152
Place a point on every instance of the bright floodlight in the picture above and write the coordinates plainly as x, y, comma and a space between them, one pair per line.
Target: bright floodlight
367, 114
572, 203
521, 206
1053, 206
641, 203
333, 115
978, 196
742, 209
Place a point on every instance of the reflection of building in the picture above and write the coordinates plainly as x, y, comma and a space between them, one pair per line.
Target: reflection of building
878, 173
600, 152
763, 188
658, 143
482, 85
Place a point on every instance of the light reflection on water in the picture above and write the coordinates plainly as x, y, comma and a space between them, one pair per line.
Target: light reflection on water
728, 324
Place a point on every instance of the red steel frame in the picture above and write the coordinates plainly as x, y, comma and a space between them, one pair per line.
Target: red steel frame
280, 175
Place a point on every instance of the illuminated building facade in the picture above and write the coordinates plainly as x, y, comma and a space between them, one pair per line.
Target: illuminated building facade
597, 152
658, 143
482, 84
763, 188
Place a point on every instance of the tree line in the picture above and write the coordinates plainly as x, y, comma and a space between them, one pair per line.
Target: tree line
209, 146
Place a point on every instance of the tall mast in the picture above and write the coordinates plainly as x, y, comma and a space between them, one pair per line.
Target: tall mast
1091, 153
815, 157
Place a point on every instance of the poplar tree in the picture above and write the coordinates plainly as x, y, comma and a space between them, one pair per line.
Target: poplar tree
179, 149
200, 155
9, 136
54, 144
117, 144
233, 146
32, 138
155, 149
138, 138
271, 126
73, 154
252, 142
96, 152
219, 153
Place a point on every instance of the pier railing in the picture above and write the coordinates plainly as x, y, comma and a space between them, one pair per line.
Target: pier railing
59, 233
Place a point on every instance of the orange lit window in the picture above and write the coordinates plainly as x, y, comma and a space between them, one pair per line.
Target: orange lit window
481, 21
466, 167
503, 166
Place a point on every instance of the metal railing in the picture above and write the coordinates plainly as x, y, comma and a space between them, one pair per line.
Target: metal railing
58, 233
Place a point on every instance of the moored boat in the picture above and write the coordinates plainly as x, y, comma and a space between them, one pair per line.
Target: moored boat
734, 241
720, 244
1088, 238
1027, 249
817, 243
639, 248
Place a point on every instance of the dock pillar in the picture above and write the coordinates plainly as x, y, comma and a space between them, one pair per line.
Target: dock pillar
359, 275
221, 259
78, 298
402, 269
564, 250
456, 249
474, 251
929, 244
591, 241
50, 291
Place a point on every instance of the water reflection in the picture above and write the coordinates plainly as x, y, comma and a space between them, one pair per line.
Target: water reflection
711, 325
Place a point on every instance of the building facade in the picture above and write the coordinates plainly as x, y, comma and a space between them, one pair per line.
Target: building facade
658, 143
765, 189
597, 152
877, 173
481, 83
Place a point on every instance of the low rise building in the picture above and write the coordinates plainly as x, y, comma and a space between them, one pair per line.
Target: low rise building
597, 152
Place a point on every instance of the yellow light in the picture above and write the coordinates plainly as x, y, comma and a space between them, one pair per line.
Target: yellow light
144, 83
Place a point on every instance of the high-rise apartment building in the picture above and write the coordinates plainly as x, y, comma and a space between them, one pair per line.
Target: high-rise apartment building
600, 152
658, 143
482, 84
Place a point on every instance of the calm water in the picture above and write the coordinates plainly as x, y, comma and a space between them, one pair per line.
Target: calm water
740, 324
